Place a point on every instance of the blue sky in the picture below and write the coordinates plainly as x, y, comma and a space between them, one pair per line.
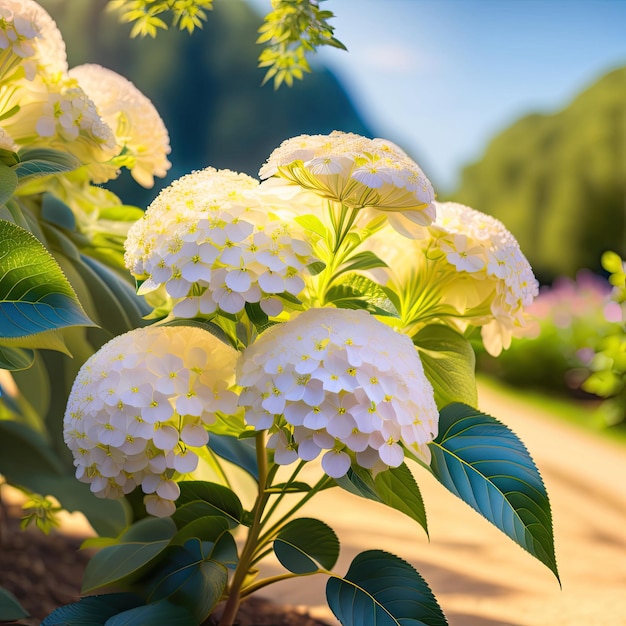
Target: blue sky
441, 77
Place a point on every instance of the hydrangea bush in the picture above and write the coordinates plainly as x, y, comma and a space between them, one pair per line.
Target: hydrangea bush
313, 318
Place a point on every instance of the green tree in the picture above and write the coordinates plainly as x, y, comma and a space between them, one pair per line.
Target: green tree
558, 181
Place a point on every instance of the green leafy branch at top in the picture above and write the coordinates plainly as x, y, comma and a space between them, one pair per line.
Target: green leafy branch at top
186, 14
291, 29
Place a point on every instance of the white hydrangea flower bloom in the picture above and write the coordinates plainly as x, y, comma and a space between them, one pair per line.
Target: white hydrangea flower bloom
470, 270
29, 38
137, 125
140, 407
360, 173
215, 243
341, 381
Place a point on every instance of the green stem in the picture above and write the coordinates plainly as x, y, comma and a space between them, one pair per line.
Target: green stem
269, 580
268, 534
234, 597
283, 493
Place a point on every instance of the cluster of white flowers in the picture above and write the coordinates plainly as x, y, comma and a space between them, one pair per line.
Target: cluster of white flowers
468, 269
140, 406
341, 381
357, 172
213, 242
138, 128
43, 105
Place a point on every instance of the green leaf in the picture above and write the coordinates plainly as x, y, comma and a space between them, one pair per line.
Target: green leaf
483, 462
37, 162
241, 452
394, 487
306, 544
449, 362
35, 296
92, 610
382, 589
359, 292
219, 499
188, 578
205, 528
363, 261
8, 183
161, 612
312, 223
10, 608
140, 545
14, 359
57, 212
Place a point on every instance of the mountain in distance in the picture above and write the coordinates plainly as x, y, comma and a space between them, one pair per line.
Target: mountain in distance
558, 181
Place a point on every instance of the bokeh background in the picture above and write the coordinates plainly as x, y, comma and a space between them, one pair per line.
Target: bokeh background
516, 108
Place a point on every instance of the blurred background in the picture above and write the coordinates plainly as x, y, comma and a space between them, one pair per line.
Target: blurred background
516, 108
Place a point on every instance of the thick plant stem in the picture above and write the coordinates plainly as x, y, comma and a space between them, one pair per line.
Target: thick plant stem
245, 560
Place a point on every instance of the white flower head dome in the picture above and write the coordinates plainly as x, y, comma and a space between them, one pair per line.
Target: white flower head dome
360, 173
138, 127
140, 407
338, 380
214, 243
30, 36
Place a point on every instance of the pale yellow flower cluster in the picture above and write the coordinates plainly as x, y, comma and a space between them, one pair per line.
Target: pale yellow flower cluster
42, 105
467, 270
214, 243
358, 173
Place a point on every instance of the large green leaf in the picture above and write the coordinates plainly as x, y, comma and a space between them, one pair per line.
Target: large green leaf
35, 296
137, 547
161, 612
217, 499
305, 544
449, 362
205, 528
190, 578
10, 608
394, 487
92, 610
484, 463
384, 590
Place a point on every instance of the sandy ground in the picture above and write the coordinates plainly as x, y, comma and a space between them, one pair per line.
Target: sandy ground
479, 576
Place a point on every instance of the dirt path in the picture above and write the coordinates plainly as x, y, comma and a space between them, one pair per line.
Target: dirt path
478, 575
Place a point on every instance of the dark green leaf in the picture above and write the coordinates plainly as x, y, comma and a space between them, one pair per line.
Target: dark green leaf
186, 577
384, 590
35, 296
305, 544
140, 545
161, 612
10, 608
36, 162
205, 528
241, 452
483, 462
220, 499
449, 361
394, 487
57, 212
92, 610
